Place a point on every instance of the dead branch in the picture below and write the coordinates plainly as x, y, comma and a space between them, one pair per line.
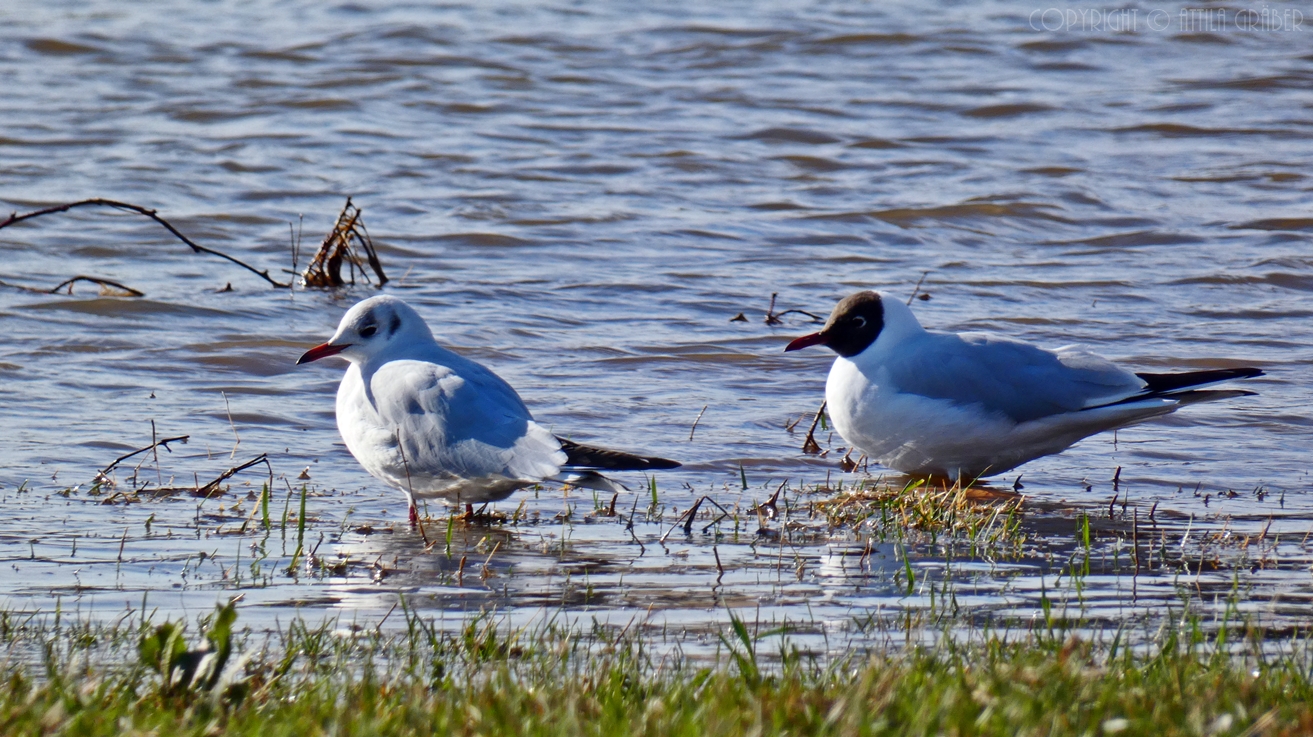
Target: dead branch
16, 218
340, 246
104, 473
96, 280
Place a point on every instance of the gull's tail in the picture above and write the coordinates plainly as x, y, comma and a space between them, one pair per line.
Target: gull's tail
592, 458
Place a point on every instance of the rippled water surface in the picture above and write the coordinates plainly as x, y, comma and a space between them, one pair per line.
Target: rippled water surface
582, 196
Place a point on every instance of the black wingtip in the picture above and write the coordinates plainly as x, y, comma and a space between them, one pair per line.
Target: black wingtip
1163, 383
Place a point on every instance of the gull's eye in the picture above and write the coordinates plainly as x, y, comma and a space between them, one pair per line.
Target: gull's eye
859, 321
368, 331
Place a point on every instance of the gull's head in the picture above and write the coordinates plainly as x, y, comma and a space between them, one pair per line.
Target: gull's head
853, 326
373, 327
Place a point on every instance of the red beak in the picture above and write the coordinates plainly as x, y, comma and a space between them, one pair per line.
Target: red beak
807, 340
321, 351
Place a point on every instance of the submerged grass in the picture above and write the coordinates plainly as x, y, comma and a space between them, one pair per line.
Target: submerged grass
549, 680
989, 520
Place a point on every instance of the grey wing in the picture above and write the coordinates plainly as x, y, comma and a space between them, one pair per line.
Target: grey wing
463, 421
1016, 379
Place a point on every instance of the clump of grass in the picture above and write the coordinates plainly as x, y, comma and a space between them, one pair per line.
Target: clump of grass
549, 680
987, 519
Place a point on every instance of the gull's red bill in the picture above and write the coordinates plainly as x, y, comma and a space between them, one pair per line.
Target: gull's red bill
806, 341
321, 351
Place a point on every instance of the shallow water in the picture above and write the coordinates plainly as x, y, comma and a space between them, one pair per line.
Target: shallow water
583, 196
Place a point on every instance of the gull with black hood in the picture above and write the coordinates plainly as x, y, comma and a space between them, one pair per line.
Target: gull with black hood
970, 405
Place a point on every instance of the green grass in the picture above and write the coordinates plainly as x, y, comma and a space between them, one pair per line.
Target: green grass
490, 679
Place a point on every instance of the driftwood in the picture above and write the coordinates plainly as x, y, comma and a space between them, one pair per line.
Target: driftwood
344, 244
16, 218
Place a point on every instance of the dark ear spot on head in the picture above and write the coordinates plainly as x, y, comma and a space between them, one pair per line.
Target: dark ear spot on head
395, 325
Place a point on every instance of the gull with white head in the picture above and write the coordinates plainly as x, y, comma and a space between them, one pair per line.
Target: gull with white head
970, 405
435, 425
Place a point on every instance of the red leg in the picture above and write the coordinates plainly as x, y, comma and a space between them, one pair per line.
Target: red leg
414, 515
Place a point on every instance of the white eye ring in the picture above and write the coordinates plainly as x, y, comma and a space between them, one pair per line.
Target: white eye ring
859, 321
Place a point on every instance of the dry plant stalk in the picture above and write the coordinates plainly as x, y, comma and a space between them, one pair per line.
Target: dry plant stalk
345, 243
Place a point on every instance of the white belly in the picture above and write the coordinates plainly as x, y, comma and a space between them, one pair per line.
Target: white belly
375, 445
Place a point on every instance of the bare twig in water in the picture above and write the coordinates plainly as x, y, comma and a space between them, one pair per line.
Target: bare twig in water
695, 423
155, 453
689, 516
917, 289
97, 201
106, 285
773, 317
340, 245
96, 280
810, 446
104, 473
208, 490
237, 439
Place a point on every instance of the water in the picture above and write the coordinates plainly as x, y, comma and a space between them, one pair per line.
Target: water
582, 197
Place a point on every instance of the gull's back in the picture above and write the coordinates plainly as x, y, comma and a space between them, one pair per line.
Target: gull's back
1007, 377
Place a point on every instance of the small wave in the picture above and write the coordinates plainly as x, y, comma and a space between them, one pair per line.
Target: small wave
1296, 282
1277, 81
56, 47
486, 240
876, 143
868, 39
814, 163
1178, 130
790, 135
1276, 224
1132, 240
1006, 111
137, 307
905, 217
1053, 171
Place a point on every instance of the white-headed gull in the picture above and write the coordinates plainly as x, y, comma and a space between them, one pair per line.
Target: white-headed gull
970, 405
438, 426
